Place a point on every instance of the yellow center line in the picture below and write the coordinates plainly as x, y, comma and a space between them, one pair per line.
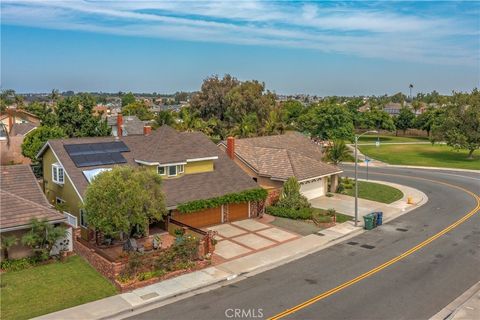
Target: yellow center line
392, 261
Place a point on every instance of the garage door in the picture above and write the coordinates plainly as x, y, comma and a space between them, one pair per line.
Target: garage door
200, 219
313, 189
238, 211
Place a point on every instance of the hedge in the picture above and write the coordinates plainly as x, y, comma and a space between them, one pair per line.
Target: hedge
244, 196
301, 214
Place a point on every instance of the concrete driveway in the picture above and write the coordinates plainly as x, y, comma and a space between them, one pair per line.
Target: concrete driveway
244, 237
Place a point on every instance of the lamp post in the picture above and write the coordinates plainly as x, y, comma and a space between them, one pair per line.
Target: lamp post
356, 181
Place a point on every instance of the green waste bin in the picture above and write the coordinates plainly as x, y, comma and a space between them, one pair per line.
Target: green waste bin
369, 222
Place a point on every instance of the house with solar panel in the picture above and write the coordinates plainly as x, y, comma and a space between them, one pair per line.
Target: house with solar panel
191, 165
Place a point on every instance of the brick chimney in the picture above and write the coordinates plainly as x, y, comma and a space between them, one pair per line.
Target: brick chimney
231, 147
119, 125
147, 130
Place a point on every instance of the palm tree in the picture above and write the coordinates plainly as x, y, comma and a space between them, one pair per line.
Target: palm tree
410, 86
54, 95
7, 243
338, 152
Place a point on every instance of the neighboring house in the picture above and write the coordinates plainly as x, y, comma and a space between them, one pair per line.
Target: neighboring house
22, 199
393, 108
191, 165
14, 115
11, 142
129, 125
271, 160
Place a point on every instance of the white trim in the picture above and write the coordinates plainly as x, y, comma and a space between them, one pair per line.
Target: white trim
61, 200
182, 166
29, 131
202, 159
56, 167
65, 172
176, 171
71, 217
325, 175
172, 164
43, 149
164, 170
147, 163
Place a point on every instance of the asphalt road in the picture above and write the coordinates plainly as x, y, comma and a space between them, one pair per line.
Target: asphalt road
416, 287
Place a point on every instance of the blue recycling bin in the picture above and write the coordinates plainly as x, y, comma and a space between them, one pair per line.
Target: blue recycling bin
379, 218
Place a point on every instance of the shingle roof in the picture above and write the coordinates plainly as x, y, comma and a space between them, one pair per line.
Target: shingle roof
166, 145
22, 199
284, 156
21, 129
131, 124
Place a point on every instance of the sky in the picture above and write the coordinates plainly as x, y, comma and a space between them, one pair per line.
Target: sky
321, 48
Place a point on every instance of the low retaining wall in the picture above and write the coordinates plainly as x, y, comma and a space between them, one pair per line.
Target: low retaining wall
107, 268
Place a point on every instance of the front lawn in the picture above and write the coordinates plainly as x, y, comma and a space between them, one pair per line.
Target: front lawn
423, 155
48, 288
375, 191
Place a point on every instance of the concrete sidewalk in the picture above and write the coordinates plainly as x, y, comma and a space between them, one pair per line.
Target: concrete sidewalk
465, 307
124, 304
346, 204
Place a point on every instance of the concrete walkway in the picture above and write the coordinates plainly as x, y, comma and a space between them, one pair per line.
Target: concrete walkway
465, 307
125, 304
346, 204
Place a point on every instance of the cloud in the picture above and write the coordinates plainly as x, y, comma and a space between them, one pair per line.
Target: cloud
366, 30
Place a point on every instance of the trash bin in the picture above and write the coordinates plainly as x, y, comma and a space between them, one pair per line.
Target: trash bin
379, 218
375, 218
368, 222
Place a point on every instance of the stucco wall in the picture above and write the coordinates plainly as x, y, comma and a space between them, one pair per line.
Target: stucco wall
11, 153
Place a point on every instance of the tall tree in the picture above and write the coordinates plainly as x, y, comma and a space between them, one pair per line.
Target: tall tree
405, 119
328, 122
165, 117
124, 199
376, 119
249, 97
139, 109
35, 140
76, 118
127, 99
211, 101
461, 122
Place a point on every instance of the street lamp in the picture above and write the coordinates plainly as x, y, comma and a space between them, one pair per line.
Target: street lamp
356, 182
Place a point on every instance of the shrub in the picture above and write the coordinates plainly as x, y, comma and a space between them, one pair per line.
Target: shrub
18, 264
146, 275
181, 254
291, 196
302, 214
42, 237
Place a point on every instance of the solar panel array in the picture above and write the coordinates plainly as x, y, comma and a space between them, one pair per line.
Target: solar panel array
97, 154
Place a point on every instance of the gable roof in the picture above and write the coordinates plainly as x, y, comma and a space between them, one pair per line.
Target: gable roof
283, 156
22, 199
21, 129
165, 145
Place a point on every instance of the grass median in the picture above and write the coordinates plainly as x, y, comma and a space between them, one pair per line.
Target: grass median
423, 155
375, 192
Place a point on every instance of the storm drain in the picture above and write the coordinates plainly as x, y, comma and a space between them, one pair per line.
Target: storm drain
402, 229
149, 296
367, 246
352, 243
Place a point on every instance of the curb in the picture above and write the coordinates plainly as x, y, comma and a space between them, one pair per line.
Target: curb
452, 308
233, 278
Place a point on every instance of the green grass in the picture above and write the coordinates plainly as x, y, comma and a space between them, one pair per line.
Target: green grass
423, 155
376, 192
390, 139
49, 288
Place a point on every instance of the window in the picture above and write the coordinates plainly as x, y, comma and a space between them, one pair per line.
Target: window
172, 171
161, 171
83, 220
180, 168
57, 173
59, 200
